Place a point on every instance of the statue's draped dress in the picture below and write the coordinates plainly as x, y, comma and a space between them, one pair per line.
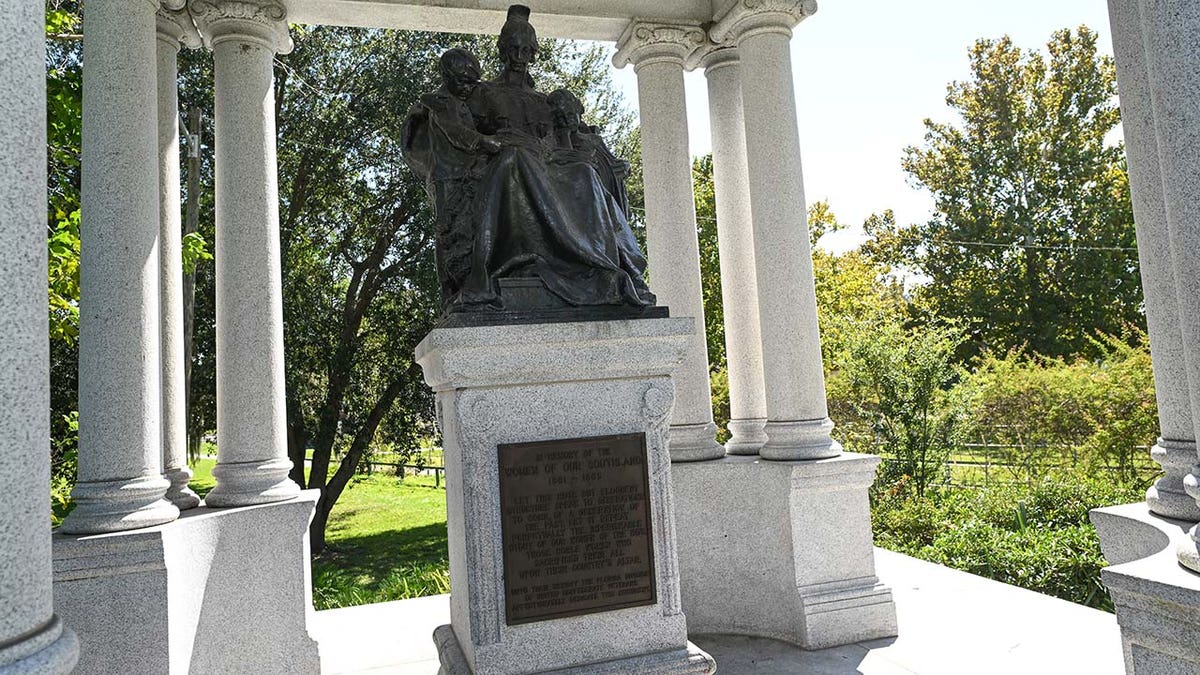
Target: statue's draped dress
542, 213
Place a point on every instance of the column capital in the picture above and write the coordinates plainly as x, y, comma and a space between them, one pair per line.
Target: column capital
751, 17
713, 56
263, 21
645, 42
175, 27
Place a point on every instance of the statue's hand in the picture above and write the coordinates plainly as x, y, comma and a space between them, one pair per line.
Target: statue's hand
489, 145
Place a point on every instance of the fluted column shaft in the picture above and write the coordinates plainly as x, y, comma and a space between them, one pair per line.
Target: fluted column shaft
798, 424
735, 241
252, 462
174, 30
120, 484
657, 53
32, 638
1176, 448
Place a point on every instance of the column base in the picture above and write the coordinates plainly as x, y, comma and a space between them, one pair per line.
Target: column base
179, 493
689, 661
51, 650
250, 483
808, 439
780, 550
746, 436
694, 442
216, 591
119, 505
1157, 600
1168, 497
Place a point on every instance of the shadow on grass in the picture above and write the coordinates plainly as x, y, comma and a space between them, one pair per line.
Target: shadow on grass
390, 565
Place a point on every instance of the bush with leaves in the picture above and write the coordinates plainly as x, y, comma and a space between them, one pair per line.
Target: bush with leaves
1035, 537
1097, 413
900, 383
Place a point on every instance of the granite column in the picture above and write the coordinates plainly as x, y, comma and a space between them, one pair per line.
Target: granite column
252, 462
32, 637
798, 425
658, 53
120, 485
735, 241
1176, 448
1173, 63
175, 29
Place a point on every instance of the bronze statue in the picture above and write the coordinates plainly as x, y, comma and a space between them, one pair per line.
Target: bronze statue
524, 193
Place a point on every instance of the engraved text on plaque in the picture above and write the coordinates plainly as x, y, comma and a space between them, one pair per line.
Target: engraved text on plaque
576, 527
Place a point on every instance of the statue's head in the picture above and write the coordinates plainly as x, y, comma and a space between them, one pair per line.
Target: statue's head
460, 71
518, 40
566, 108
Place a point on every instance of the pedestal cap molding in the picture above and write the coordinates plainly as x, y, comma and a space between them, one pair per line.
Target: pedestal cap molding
176, 28
645, 42
751, 17
264, 21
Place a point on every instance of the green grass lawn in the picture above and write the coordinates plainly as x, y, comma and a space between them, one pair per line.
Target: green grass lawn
386, 540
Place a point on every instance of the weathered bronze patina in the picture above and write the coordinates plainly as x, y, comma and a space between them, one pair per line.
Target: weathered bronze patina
576, 528
522, 189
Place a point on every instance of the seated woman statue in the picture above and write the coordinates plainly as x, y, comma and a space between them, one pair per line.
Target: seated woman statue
513, 198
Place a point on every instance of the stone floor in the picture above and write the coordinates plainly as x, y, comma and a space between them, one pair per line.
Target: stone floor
951, 623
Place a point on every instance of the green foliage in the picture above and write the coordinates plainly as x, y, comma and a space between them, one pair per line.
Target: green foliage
900, 382
719, 385
704, 190
64, 276
1035, 537
1102, 408
821, 222
1032, 243
64, 125
195, 251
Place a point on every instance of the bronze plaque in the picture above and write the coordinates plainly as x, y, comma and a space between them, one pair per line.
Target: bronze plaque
576, 529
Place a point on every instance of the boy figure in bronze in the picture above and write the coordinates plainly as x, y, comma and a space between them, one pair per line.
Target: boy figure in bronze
571, 132
440, 137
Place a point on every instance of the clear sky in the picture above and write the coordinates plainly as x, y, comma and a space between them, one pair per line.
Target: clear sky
868, 73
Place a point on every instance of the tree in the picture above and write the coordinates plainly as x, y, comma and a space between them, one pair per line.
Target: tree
1032, 242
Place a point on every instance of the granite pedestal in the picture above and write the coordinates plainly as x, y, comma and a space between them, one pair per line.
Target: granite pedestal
216, 591
1157, 599
781, 550
543, 382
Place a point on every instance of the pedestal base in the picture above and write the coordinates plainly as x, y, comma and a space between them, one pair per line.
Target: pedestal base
1157, 599
781, 550
559, 384
688, 661
216, 591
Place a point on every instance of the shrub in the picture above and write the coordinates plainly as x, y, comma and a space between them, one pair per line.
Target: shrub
900, 382
1036, 537
1097, 414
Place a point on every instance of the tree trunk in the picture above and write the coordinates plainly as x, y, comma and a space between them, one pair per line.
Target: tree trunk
191, 224
349, 463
